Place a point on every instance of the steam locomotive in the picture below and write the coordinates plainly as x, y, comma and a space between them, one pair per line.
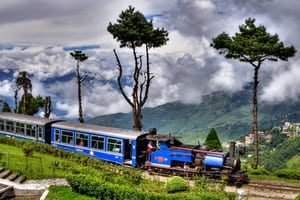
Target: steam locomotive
125, 147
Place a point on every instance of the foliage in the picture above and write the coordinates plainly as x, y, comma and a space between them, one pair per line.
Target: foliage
258, 172
33, 104
22, 81
28, 149
133, 30
294, 162
5, 107
288, 173
97, 187
252, 44
212, 140
175, 184
297, 197
65, 192
274, 160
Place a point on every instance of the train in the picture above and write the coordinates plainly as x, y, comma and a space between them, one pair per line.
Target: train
126, 147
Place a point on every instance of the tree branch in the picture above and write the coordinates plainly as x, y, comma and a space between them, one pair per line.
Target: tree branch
149, 78
119, 79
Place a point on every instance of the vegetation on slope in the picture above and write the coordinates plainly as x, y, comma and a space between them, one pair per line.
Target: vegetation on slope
229, 114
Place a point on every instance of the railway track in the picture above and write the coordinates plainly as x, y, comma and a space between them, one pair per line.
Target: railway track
274, 187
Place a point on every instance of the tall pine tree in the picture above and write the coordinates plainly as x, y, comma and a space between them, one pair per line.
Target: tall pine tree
212, 140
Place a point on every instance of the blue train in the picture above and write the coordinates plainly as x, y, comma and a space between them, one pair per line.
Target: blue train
126, 147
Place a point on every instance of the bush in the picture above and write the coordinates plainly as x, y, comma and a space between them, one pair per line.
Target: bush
259, 172
28, 149
288, 173
176, 184
297, 197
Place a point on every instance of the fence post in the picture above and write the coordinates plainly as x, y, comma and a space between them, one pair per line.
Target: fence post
8, 159
26, 162
41, 164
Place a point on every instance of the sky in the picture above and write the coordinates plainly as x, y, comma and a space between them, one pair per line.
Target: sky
37, 36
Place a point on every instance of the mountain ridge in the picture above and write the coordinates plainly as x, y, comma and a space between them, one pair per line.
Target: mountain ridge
229, 113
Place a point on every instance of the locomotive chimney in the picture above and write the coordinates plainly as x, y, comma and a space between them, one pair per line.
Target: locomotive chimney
232, 149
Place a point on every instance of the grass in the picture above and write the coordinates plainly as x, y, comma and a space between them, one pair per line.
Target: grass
65, 193
39, 166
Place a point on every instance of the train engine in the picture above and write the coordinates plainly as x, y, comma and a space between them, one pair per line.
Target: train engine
170, 155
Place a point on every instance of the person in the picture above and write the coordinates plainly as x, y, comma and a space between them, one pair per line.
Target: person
150, 149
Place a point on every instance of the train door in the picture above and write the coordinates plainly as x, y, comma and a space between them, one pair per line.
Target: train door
128, 151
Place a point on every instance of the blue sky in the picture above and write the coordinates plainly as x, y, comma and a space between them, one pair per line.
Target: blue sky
37, 36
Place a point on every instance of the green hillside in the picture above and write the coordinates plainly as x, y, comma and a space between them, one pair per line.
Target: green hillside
229, 114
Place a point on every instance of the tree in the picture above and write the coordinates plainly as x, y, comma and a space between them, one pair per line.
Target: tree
132, 30
212, 140
22, 81
253, 45
5, 107
33, 104
80, 57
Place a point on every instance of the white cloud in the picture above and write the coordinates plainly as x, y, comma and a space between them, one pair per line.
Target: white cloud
284, 85
6, 88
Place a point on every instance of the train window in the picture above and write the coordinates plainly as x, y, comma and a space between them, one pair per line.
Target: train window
56, 135
67, 137
10, 126
30, 130
82, 140
114, 145
20, 128
40, 132
2, 125
98, 142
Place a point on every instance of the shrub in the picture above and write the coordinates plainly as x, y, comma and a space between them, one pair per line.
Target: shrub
28, 149
175, 184
297, 197
288, 173
259, 171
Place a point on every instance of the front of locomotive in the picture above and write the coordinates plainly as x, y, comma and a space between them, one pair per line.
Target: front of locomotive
233, 163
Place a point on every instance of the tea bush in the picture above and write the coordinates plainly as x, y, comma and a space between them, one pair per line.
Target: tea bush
176, 184
101, 189
258, 172
288, 173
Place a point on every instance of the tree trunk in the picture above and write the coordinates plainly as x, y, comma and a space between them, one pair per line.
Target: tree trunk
25, 101
137, 118
255, 125
80, 119
47, 106
16, 101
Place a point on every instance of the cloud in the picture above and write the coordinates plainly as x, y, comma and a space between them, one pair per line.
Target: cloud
34, 34
6, 88
284, 86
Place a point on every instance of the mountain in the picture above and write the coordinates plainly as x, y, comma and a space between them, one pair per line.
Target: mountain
229, 114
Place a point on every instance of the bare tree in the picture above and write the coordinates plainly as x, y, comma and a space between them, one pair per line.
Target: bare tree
80, 57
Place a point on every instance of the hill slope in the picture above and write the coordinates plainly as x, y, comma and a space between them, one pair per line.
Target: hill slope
229, 114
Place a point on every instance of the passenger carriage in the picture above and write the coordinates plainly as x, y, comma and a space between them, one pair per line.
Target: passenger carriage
105, 143
26, 127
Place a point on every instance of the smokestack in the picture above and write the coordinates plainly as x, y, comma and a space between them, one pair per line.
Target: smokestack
232, 149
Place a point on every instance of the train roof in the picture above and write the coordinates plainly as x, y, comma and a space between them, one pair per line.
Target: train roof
26, 119
163, 138
99, 130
